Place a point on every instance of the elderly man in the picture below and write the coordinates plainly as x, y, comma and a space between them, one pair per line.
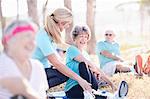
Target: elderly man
108, 52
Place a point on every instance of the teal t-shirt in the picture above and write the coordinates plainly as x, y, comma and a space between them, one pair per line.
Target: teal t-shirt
71, 53
105, 45
44, 47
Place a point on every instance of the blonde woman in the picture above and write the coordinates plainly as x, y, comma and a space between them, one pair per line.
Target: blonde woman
20, 75
47, 39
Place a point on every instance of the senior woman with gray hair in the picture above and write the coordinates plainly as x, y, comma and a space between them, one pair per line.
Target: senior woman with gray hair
19, 74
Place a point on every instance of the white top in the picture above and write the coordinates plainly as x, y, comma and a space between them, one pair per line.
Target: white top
37, 80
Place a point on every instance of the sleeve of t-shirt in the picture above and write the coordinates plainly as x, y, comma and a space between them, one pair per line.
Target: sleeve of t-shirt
44, 84
100, 47
73, 52
44, 43
118, 49
86, 55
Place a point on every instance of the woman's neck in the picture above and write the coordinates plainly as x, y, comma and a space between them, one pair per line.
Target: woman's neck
22, 64
16, 57
80, 48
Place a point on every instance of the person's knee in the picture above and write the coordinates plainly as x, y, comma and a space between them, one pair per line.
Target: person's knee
119, 67
122, 68
82, 66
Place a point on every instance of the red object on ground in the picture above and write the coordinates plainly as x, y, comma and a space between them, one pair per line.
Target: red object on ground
146, 68
138, 65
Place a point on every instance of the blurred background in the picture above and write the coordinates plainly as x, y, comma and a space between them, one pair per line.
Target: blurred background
129, 18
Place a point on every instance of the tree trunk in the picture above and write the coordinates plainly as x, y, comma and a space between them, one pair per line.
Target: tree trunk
90, 23
1, 16
3, 21
32, 10
142, 20
44, 11
143, 5
17, 10
68, 40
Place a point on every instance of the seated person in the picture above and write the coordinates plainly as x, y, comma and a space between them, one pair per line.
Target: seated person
108, 52
139, 68
77, 59
20, 75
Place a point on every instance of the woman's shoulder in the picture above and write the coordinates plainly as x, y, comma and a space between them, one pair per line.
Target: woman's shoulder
7, 66
41, 32
5, 60
36, 63
72, 47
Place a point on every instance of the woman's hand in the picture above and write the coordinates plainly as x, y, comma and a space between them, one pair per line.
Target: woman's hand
104, 78
113, 87
85, 85
98, 75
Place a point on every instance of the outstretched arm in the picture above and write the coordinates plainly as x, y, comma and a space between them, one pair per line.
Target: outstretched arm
19, 86
111, 55
66, 71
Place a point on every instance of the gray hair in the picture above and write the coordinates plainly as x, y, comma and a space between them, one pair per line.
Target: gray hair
78, 30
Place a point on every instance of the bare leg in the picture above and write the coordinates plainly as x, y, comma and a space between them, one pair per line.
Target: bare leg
121, 68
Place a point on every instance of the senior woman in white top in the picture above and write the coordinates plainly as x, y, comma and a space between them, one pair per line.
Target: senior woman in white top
20, 75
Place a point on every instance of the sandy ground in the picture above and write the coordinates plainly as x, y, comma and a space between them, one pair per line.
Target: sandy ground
139, 88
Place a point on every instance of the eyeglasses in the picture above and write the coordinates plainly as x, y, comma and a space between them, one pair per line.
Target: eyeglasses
108, 34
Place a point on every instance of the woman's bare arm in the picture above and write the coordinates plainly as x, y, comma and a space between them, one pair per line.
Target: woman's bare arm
19, 86
68, 72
